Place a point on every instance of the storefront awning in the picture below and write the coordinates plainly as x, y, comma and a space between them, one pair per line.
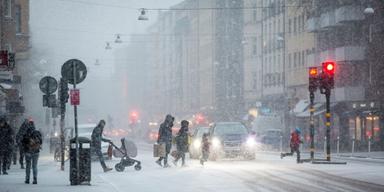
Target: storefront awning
319, 109
300, 106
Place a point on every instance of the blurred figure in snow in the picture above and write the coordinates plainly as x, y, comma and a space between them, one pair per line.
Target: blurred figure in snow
294, 145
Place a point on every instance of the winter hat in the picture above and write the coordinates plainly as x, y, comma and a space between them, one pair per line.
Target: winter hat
298, 130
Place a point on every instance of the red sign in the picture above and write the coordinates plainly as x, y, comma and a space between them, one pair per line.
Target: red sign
75, 96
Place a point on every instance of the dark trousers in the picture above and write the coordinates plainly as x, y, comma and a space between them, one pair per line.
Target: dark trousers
168, 146
293, 150
101, 158
31, 160
4, 158
21, 157
180, 154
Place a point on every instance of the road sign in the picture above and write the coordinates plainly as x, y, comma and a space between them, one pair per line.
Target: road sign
75, 97
49, 101
48, 85
67, 71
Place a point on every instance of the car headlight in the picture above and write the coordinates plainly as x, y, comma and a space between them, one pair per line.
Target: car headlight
251, 142
215, 142
56, 134
196, 144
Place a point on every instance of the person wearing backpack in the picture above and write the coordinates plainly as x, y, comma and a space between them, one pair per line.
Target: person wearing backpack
19, 139
6, 142
182, 143
32, 142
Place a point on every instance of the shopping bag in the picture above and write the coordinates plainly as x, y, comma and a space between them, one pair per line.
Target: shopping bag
159, 150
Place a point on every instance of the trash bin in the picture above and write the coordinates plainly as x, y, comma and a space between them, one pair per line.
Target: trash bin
84, 162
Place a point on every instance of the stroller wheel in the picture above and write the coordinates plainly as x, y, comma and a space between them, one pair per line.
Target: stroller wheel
137, 167
119, 167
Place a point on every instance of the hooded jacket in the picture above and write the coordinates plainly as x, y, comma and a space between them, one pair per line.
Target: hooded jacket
165, 130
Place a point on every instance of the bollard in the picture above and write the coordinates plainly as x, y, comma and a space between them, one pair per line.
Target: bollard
338, 145
369, 144
301, 146
353, 146
281, 144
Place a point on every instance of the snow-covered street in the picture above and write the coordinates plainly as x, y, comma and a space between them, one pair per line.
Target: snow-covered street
267, 173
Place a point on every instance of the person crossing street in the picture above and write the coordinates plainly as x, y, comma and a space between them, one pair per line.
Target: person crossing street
294, 145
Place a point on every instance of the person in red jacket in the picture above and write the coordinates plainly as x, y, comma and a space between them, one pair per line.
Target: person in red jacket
294, 144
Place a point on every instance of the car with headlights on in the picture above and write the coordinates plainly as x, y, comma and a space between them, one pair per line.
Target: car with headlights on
196, 142
231, 139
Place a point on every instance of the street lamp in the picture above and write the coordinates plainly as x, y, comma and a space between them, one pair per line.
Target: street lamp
143, 16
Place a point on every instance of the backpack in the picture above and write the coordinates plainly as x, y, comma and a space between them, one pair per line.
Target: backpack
34, 143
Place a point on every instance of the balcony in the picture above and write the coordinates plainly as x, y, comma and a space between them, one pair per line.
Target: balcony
349, 94
348, 14
327, 19
313, 24
350, 53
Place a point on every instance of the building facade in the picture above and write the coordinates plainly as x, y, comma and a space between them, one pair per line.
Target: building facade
14, 43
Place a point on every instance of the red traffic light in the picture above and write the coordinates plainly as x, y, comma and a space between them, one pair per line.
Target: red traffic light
329, 67
313, 72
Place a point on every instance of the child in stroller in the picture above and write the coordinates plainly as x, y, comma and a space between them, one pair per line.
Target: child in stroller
127, 150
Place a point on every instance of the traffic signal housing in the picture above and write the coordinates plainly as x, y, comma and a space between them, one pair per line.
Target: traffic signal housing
328, 75
313, 79
63, 91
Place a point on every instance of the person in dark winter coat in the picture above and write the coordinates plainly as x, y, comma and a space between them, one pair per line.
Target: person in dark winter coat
19, 137
182, 142
31, 143
97, 137
6, 144
165, 136
294, 144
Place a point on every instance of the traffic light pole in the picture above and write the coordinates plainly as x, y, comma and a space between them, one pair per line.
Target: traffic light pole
76, 128
312, 124
62, 125
328, 122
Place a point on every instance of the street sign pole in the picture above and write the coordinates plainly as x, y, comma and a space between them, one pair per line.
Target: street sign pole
328, 122
311, 124
62, 125
76, 128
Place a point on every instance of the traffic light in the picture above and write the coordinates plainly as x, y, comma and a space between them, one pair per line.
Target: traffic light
63, 91
313, 79
328, 74
133, 117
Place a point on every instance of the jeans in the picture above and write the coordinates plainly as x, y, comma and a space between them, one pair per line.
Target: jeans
31, 158
101, 158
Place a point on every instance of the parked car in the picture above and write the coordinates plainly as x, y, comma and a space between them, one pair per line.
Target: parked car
231, 139
196, 139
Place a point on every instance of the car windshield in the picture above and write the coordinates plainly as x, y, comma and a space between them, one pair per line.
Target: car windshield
85, 131
201, 132
224, 129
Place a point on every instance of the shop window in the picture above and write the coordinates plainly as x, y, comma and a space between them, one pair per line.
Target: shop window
358, 129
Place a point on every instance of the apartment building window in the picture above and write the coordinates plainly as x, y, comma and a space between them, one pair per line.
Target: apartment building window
289, 26
7, 8
254, 14
254, 83
303, 24
303, 58
294, 25
254, 46
294, 59
18, 19
289, 60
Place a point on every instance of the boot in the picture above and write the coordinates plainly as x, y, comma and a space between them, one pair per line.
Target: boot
26, 181
159, 163
5, 173
107, 169
282, 156
34, 180
22, 166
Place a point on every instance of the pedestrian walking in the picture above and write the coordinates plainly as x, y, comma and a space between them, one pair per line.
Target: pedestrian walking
205, 148
32, 142
97, 137
6, 142
182, 143
294, 145
165, 136
19, 138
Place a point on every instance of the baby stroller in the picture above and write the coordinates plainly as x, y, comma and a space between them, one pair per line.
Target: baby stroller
127, 150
